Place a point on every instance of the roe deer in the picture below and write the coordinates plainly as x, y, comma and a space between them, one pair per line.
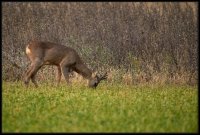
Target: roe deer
65, 58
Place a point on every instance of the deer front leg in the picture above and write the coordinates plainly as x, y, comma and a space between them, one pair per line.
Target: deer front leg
65, 72
58, 75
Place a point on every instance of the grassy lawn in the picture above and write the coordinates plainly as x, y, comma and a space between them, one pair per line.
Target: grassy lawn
109, 108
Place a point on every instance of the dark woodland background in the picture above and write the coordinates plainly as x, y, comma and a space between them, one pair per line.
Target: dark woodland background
136, 42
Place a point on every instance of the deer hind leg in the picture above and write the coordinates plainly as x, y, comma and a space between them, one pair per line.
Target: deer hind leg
26, 79
36, 65
34, 81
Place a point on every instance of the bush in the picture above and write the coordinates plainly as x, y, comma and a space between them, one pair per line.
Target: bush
148, 38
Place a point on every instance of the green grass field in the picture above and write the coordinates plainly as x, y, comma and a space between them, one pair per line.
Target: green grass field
109, 108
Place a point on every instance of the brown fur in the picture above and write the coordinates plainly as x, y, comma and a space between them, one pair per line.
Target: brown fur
65, 58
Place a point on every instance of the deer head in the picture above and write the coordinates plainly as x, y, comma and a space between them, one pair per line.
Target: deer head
93, 83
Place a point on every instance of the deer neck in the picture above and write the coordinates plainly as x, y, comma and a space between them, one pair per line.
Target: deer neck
84, 71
